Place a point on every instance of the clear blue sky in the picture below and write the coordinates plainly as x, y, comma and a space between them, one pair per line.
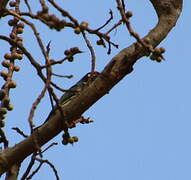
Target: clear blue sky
142, 127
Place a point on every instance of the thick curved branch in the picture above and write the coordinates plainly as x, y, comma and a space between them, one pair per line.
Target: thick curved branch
168, 12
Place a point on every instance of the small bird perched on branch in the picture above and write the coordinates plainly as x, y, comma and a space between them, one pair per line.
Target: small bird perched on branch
75, 89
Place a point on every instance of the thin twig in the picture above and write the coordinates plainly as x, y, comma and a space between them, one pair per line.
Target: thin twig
20, 132
53, 144
35, 171
42, 2
32, 161
49, 74
114, 27
52, 62
90, 47
60, 89
62, 76
34, 106
123, 4
107, 22
51, 165
28, 6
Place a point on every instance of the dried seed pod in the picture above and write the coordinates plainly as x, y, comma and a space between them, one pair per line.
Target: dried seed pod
159, 59
157, 51
64, 142
77, 30
3, 111
70, 58
16, 68
128, 14
71, 140
67, 52
14, 55
17, 56
6, 101
153, 57
162, 50
74, 50
2, 94
84, 25
12, 22
4, 74
10, 107
100, 42
62, 24
75, 138
2, 123
19, 30
20, 25
8, 56
5, 63
12, 4
12, 84
12, 35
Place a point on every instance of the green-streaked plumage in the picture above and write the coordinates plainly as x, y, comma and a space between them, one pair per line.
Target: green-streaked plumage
74, 90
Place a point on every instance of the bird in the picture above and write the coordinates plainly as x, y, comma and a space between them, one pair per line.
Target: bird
75, 89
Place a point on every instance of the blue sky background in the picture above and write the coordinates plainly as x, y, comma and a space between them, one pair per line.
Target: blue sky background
141, 128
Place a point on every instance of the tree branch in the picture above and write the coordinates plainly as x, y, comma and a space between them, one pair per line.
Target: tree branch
3, 4
168, 12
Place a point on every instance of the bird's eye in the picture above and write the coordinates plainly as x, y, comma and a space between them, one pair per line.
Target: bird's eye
89, 75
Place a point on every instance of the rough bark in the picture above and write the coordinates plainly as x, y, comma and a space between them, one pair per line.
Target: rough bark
168, 12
